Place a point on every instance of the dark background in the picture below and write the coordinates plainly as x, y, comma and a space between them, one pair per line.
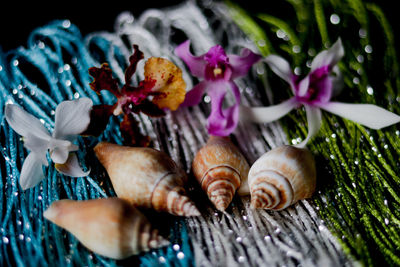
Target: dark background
19, 18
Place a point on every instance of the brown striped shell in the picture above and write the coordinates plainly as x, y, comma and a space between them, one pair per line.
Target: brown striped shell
110, 227
220, 169
146, 178
281, 177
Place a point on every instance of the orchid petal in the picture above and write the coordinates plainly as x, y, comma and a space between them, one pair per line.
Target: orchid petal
329, 57
222, 122
194, 96
241, 64
303, 86
314, 120
59, 150
267, 114
38, 146
24, 123
31, 172
197, 65
280, 67
372, 116
71, 167
72, 117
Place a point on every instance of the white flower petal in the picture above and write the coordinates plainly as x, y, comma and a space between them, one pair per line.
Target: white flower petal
368, 115
38, 146
24, 123
303, 86
71, 167
314, 121
267, 114
72, 117
329, 57
31, 172
280, 67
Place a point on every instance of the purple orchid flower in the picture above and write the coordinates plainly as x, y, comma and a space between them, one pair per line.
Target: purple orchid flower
315, 92
218, 70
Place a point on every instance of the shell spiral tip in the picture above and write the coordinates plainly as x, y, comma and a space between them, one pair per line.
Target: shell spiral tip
221, 202
189, 209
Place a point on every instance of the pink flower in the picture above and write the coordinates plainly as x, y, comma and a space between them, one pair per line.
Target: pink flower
218, 70
315, 92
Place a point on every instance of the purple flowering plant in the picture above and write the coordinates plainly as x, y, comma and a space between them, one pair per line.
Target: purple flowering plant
315, 91
218, 71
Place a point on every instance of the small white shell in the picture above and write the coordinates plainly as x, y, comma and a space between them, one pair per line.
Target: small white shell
281, 177
110, 227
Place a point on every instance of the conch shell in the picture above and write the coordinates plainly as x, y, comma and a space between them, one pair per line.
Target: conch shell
146, 178
220, 169
110, 226
281, 177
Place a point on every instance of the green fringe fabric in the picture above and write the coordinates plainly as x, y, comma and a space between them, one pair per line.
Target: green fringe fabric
359, 186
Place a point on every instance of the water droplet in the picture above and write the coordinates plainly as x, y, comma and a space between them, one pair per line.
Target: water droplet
68, 82
296, 49
277, 231
311, 52
60, 70
309, 63
370, 90
360, 58
280, 34
245, 218
297, 70
362, 33
321, 227
180, 255
294, 142
207, 99
28, 239
66, 23
1, 68
15, 62
21, 237
33, 92
40, 45
15, 91
5, 240
42, 121
241, 259
239, 239
332, 156
368, 49
176, 247
356, 162
67, 67
335, 19
76, 95
267, 238
356, 80
387, 221
385, 202
354, 185
161, 259
260, 70
261, 42
333, 135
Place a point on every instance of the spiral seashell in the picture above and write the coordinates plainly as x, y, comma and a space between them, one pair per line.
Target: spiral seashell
110, 226
220, 169
146, 178
281, 177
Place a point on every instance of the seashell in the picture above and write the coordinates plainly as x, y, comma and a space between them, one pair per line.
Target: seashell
146, 178
110, 226
281, 177
220, 169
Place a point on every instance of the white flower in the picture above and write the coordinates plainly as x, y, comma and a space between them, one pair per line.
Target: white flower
314, 92
71, 119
